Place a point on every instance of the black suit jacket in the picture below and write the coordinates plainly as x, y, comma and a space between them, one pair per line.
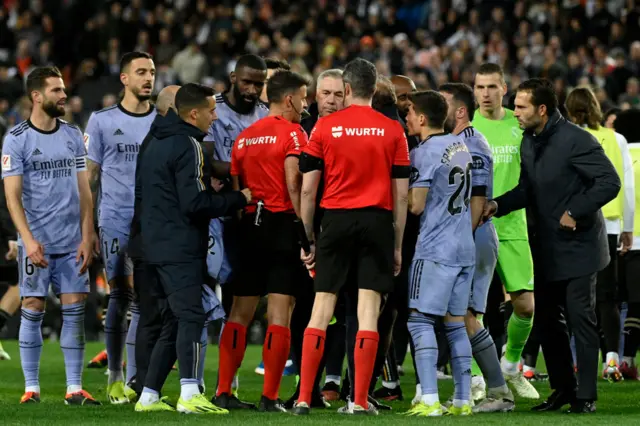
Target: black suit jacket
564, 168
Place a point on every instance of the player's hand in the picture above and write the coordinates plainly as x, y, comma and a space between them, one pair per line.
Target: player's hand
490, 209
397, 262
96, 244
567, 222
35, 253
626, 241
13, 251
309, 259
85, 254
217, 184
247, 194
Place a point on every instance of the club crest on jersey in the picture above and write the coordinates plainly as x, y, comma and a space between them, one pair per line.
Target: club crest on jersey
70, 146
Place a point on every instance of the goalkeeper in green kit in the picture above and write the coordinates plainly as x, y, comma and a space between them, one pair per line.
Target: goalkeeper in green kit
514, 263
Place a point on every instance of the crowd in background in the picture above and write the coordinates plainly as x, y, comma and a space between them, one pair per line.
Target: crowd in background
571, 42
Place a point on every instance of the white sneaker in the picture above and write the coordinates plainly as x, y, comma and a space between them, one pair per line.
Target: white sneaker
478, 388
416, 399
496, 403
4, 356
441, 375
347, 409
523, 388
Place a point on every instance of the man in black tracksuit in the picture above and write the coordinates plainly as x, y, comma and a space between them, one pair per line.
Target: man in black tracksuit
176, 207
565, 180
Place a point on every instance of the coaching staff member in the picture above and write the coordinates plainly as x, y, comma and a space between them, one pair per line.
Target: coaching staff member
365, 160
177, 205
565, 179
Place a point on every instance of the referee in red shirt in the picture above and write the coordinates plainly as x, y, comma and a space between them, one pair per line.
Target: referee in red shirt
265, 159
365, 160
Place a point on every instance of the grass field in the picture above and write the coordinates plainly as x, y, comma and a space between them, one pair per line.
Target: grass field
619, 403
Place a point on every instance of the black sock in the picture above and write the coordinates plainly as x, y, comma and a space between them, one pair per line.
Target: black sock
4, 317
632, 330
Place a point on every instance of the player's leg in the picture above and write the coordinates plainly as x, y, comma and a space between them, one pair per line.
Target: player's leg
72, 288
515, 266
629, 272
112, 246
130, 343
609, 313
213, 311
10, 302
530, 355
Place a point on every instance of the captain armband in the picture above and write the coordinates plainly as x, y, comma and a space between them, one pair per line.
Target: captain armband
400, 172
309, 163
479, 191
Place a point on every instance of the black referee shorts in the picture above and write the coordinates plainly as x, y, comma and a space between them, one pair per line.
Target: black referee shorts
629, 273
9, 274
355, 243
270, 257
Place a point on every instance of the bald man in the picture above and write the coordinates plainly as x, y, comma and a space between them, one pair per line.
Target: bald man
150, 323
403, 85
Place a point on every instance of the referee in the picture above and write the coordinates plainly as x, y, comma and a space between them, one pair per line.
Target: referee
365, 161
177, 205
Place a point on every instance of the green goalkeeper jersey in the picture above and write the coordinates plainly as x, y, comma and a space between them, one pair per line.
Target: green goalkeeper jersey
504, 137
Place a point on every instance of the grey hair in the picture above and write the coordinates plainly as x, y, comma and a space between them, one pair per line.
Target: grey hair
362, 76
331, 73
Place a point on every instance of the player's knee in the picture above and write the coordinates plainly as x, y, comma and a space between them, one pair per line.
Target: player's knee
243, 310
523, 304
322, 312
36, 304
472, 323
279, 309
71, 298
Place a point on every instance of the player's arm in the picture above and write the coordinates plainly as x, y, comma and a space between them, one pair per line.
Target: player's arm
293, 177
311, 164
418, 200
517, 198
480, 180
591, 163
629, 208
94, 146
400, 173
196, 198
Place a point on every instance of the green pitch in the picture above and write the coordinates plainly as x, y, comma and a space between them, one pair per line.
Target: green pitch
619, 403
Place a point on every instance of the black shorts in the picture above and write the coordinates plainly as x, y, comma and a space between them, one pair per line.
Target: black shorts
270, 257
607, 280
355, 241
9, 274
629, 273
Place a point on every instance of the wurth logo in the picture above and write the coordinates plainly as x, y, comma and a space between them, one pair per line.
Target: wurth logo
261, 140
357, 131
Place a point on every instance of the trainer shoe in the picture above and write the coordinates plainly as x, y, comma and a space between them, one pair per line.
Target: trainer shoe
271, 406
99, 361
629, 372
361, 411
199, 405
30, 398
388, 394
465, 410
331, 391
260, 368
495, 402
523, 388
289, 369
301, 409
612, 372
441, 374
478, 388
116, 394
423, 410
160, 405
80, 398
231, 402
4, 356
534, 376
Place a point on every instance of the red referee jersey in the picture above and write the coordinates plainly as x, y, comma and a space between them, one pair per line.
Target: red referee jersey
359, 147
258, 157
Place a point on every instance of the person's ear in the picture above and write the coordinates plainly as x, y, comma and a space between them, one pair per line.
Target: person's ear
232, 77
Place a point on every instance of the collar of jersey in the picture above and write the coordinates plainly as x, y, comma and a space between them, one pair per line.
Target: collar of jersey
44, 132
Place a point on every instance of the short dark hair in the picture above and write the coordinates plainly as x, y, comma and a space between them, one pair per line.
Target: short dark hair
542, 93
583, 108
627, 124
385, 93
432, 105
192, 95
129, 57
251, 61
283, 83
37, 79
611, 111
490, 68
362, 76
462, 93
275, 63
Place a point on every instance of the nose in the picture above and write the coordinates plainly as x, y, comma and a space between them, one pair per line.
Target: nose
252, 89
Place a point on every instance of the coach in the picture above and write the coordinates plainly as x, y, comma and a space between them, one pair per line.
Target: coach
176, 207
565, 180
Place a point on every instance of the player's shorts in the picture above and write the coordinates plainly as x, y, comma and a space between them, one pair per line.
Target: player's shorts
269, 257
355, 243
215, 250
629, 274
63, 274
436, 289
486, 259
515, 265
113, 246
607, 279
212, 306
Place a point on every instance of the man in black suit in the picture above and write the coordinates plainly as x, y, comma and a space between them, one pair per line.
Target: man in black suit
565, 180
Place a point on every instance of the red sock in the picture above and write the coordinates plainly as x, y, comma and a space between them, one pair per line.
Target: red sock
312, 350
364, 356
275, 352
233, 342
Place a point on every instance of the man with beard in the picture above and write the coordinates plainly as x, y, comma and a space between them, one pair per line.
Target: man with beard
113, 137
48, 196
